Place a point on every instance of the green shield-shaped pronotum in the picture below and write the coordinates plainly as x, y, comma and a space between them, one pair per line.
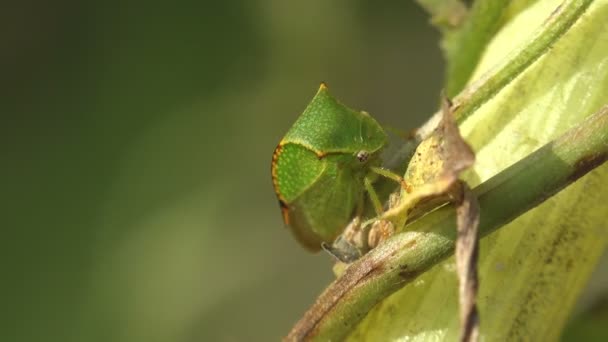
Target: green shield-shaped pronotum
318, 169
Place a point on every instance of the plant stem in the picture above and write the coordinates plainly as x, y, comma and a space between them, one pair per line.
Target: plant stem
495, 79
482, 90
431, 239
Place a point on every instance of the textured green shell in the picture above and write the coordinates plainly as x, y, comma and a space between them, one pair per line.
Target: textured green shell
327, 126
317, 176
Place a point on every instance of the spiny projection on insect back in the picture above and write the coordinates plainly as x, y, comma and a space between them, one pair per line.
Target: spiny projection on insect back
323, 167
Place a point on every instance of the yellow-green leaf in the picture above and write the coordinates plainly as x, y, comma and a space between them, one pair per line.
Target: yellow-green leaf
532, 270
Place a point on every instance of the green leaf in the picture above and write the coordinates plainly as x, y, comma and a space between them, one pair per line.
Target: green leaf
463, 47
532, 270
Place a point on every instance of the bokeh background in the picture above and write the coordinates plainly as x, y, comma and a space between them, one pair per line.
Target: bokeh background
136, 142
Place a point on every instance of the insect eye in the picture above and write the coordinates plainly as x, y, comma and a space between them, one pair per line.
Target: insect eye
362, 156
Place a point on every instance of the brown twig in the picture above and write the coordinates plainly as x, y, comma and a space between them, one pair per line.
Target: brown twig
467, 248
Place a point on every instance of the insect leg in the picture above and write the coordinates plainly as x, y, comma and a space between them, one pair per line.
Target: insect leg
373, 195
391, 175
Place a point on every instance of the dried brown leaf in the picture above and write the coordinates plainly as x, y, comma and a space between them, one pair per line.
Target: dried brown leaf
435, 167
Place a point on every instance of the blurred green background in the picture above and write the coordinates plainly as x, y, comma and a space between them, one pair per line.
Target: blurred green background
139, 139
136, 144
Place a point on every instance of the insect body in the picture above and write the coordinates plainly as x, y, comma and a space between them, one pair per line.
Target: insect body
319, 167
